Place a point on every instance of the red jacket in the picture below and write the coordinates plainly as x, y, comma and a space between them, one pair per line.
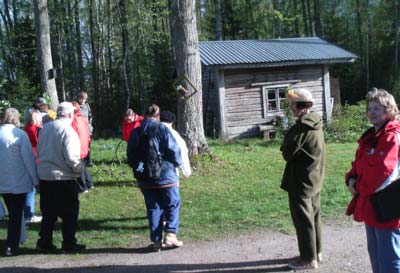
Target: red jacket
127, 126
81, 127
375, 160
33, 133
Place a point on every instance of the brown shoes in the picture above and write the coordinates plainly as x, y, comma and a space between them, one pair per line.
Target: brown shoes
172, 241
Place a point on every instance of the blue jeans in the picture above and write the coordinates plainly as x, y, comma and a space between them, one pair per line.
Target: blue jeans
384, 249
162, 203
29, 209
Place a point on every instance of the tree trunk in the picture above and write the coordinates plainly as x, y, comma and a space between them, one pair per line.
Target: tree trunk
218, 20
125, 46
368, 42
317, 18
396, 45
95, 52
359, 31
78, 45
305, 18
309, 20
187, 62
42, 26
278, 24
296, 20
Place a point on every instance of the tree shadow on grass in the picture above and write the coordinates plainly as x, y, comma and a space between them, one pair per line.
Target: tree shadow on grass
274, 265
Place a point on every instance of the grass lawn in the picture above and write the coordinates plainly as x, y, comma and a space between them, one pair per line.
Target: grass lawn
237, 191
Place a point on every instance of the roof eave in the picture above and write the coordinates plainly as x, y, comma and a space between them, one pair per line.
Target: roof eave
277, 64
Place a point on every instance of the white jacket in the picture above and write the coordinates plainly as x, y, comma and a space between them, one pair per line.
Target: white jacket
58, 151
185, 167
18, 167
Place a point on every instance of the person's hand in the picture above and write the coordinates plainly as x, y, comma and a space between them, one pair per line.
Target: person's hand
352, 186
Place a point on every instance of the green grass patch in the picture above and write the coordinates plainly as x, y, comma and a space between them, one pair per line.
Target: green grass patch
236, 190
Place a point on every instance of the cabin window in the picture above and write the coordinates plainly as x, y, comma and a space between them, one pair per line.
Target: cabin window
275, 99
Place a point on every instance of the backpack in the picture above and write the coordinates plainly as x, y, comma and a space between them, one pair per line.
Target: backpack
147, 167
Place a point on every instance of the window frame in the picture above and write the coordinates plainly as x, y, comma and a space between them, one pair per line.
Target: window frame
265, 90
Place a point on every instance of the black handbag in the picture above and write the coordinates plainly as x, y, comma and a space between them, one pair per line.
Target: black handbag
386, 202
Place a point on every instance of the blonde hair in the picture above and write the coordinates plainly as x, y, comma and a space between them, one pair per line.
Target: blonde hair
384, 98
36, 117
11, 115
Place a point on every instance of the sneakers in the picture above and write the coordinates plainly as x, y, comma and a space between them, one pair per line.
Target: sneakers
157, 246
73, 248
46, 247
33, 219
303, 265
172, 241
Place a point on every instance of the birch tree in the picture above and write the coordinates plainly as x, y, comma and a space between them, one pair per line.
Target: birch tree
42, 29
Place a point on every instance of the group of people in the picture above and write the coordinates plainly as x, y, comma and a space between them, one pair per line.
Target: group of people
57, 157
50, 154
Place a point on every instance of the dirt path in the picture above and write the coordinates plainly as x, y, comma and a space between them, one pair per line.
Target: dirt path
344, 252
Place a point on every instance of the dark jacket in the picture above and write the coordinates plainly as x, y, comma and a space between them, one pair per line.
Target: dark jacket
303, 149
167, 147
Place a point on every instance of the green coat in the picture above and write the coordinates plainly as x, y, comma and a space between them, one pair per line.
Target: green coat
303, 149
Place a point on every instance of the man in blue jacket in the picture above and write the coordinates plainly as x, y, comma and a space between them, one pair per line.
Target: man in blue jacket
161, 195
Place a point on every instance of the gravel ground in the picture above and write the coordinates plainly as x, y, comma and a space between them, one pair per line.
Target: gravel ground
344, 251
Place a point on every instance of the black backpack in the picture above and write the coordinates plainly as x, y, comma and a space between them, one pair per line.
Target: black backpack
147, 166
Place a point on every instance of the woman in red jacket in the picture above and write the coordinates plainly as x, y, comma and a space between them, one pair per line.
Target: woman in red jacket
81, 127
376, 165
131, 121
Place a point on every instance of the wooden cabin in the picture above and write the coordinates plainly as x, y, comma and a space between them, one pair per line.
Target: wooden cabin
245, 81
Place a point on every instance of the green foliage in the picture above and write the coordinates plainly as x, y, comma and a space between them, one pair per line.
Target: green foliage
235, 190
4, 104
348, 123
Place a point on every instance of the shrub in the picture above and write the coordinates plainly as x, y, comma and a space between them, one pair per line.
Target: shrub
348, 123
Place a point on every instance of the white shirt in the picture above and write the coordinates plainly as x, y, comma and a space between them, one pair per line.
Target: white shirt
185, 167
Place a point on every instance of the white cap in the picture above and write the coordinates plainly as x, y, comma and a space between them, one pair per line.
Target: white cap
65, 108
301, 95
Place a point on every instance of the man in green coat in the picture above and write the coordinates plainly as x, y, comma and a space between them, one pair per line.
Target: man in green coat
303, 149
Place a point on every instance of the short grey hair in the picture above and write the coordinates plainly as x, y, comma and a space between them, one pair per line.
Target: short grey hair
384, 98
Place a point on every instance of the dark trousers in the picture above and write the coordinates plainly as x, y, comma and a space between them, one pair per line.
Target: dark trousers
59, 199
85, 175
306, 218
15, 205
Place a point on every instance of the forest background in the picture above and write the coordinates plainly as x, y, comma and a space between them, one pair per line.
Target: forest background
96, 42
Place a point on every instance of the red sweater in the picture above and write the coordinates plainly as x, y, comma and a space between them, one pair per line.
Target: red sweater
81, 127
33, 133
376, 159
127, 126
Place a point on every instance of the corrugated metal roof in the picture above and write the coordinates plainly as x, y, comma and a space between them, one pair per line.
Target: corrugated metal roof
297, 50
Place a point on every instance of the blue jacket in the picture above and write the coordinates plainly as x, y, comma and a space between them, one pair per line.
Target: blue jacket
167, 147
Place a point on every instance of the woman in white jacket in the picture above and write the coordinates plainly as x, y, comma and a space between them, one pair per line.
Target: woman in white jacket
18, 175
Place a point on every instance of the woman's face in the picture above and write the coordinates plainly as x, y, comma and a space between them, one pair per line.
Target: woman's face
376, 114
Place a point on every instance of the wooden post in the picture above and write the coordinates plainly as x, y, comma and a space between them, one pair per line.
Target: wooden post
327, 93
221, 99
